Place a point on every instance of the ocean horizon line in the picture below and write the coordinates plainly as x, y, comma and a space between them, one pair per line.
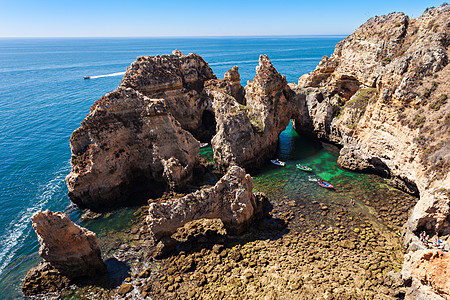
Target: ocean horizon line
180, 37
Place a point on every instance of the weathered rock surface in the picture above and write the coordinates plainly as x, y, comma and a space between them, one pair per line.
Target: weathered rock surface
44, 279
230, 85
199, 228
429, 273
382, 95
68, 251
231, 200
247, 135
128, 149
179, 80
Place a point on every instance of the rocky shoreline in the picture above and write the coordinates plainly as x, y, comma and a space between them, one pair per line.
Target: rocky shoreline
381, 97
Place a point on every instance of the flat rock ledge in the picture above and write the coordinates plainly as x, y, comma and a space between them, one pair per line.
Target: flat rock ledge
69, 251
231, 200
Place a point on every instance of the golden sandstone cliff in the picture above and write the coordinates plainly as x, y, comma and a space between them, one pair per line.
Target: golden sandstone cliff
384, 93
127, 149
381, 96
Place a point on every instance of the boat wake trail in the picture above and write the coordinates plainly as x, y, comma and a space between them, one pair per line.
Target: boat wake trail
108, 75
19, 229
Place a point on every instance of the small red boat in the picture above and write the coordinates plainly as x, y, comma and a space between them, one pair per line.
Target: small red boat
325, 184
87, 77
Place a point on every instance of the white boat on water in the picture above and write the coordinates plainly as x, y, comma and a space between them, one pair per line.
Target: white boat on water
278, 162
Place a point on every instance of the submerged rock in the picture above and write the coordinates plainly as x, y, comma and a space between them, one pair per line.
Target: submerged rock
231, 200
128, 149
44, 279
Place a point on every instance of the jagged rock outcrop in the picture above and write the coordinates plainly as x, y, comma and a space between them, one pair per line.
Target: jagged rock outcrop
179, 80
230, 85
247, 135
382, 95
67, 247
127, 149
231, 200
428, 273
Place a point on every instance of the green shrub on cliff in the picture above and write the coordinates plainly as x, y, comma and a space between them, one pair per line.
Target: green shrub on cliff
357, 105
418, 120
257, 125
436, 105
427, 92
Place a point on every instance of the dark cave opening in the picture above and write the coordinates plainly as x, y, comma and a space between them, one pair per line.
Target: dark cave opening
208, 127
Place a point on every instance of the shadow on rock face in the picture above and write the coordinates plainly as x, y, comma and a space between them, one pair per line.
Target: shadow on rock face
116, 273
190, 239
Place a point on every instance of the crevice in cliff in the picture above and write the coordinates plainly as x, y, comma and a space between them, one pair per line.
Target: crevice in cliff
207, 128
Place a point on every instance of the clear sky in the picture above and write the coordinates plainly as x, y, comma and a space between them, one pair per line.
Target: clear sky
134, 18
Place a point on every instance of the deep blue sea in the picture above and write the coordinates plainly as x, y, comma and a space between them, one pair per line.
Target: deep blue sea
43, 98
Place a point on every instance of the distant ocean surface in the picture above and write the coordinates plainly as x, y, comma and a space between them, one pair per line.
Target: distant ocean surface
43, 98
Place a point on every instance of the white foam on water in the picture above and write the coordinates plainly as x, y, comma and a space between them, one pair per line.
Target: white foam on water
108, 75
17, 231
310, 178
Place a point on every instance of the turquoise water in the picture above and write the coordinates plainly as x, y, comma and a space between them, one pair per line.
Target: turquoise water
43, 98
293, 149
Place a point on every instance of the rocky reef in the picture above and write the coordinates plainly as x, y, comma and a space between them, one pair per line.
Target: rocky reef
231, 200
68, 251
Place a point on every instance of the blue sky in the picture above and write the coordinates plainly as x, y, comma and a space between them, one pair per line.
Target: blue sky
132, 18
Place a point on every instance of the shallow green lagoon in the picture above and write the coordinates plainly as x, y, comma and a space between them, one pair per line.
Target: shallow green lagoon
289, 181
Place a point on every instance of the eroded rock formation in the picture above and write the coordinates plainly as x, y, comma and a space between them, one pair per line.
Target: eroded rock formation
247, 135
231, 200
70, 249
179, 80
429, 274
127, 149
230, 85
382, 95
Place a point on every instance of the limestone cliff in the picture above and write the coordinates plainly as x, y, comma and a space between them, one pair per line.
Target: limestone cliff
127, 149
231, 200
247, 135
179, 80
230, 85
382, 95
